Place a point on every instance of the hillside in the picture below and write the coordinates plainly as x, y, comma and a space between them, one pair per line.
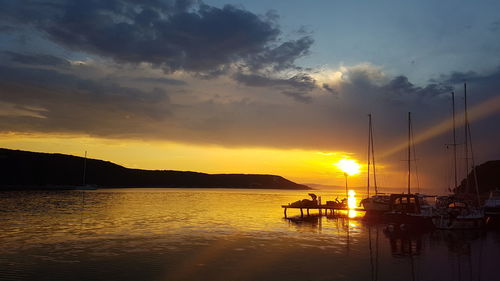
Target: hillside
24, 169
488, 178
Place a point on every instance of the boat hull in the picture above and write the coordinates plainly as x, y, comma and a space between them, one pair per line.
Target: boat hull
376, 205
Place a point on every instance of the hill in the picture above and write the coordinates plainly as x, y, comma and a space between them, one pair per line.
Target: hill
33, 170
488, 178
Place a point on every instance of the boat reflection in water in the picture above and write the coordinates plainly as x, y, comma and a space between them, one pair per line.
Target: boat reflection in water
407, 252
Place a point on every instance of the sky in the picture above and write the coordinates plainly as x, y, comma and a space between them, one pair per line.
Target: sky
271, 87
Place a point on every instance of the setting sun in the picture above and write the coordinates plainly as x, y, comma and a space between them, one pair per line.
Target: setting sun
348, 166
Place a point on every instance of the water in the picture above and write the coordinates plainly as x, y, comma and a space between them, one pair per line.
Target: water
192, 234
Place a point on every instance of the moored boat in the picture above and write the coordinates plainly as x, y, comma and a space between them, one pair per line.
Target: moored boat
377, 204
454, 213
460, 211
492, 205
411, 209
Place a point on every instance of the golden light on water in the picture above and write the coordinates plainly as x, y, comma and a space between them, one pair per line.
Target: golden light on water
351, 200
348, 166
351, 203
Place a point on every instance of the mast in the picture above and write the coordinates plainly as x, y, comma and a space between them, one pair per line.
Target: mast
369, 151
466, 125
371, 157
454, 140
468, 142
409, 152
373, 160
84, 166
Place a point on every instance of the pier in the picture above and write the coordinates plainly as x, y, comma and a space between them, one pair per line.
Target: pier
327, 209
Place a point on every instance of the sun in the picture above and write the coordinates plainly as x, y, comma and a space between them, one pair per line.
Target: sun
348, 166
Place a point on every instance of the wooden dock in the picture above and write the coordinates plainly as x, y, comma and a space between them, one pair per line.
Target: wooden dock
321, 208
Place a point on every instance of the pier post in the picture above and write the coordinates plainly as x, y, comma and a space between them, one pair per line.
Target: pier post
301, 213
307, 211
284, 211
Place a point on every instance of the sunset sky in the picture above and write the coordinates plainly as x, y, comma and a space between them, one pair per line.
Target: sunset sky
273, 87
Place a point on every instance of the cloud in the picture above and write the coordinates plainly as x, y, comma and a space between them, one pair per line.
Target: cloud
400, 86
158, 80
298, 86
174, 35
47, 100
35, 59
329, 89
188, 72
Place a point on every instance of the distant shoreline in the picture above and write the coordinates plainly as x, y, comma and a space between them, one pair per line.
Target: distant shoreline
25, 170
82, 188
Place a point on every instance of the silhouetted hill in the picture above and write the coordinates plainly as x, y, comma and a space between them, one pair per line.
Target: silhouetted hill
488, 178
24, 169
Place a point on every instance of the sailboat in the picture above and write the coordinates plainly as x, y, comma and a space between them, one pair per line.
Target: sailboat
410, 208
378, 204
492, 205
455, 211
85, 186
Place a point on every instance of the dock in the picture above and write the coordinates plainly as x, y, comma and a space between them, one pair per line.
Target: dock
327, 209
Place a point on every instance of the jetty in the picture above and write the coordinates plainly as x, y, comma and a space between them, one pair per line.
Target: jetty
326, 209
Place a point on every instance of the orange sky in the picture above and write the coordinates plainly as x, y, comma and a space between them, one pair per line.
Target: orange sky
302, 166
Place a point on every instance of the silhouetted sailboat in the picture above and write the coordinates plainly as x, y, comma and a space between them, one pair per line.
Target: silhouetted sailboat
85, 186
456, 211
410, 208
378, 203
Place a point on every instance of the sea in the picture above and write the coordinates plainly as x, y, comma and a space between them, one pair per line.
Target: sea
221, 234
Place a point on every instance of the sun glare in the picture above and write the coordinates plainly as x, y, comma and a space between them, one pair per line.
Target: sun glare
351, 200
348, 166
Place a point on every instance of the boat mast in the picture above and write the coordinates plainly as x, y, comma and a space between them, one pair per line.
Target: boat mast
409, 152
474, 168
371, 157
466, 124
373, 160
84, 166
369, 151
454, 140
468, 142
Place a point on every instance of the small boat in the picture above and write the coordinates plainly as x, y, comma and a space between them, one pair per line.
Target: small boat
377, 204
492, 205
337, 204
305, 203
410, 209
454, 213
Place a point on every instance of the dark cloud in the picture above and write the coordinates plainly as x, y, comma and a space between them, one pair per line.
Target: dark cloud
495, 26
35, 59
158, 80
175, 35
297, 86
72, 104
329, 89
400, 86
283, 56
7, 28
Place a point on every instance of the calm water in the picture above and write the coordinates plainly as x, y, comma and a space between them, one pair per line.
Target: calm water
189, 234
